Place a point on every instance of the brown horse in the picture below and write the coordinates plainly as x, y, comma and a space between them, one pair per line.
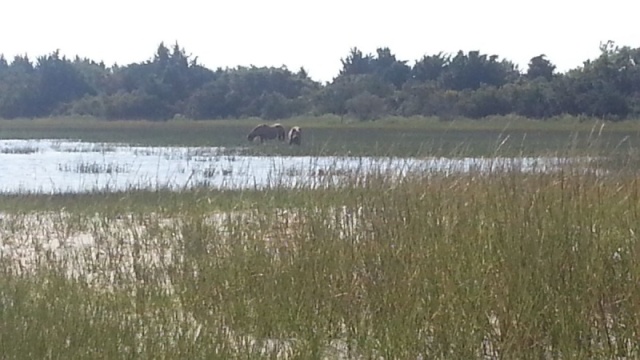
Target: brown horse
295, 135
267, 132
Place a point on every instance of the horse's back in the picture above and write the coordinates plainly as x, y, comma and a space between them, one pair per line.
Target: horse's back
266, 131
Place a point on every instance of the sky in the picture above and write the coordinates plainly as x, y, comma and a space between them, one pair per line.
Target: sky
316, 34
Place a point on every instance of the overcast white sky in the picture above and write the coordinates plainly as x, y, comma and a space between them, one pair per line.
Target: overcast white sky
316, 34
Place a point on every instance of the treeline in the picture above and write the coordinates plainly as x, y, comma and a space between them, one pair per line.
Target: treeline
173, 84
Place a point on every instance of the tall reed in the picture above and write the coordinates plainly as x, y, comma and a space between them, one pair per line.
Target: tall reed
498, 264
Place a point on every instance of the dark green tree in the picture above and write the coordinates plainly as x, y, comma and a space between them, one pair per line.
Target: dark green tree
19, 89
472, 70
390, 69
430, 68
356, 63
59, 82
333, 98
4, 65
535, 98
366, 106
539, 66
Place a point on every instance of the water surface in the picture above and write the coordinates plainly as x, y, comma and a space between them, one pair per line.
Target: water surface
70, 166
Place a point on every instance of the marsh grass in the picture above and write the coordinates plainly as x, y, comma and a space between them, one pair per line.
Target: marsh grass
25, 150
497, 264
491, 263
90, 148
210, 172
94, 168
328, 135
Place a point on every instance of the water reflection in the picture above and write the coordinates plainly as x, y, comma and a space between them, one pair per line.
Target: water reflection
55, 166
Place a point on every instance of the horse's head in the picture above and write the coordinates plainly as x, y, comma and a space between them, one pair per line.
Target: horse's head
294, 135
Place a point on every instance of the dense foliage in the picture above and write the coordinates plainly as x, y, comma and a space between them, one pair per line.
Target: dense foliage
173, 85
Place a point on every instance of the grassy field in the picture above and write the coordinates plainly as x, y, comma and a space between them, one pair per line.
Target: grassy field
465, 266
333, 136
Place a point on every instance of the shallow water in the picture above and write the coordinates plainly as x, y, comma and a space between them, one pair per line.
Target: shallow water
68, 166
